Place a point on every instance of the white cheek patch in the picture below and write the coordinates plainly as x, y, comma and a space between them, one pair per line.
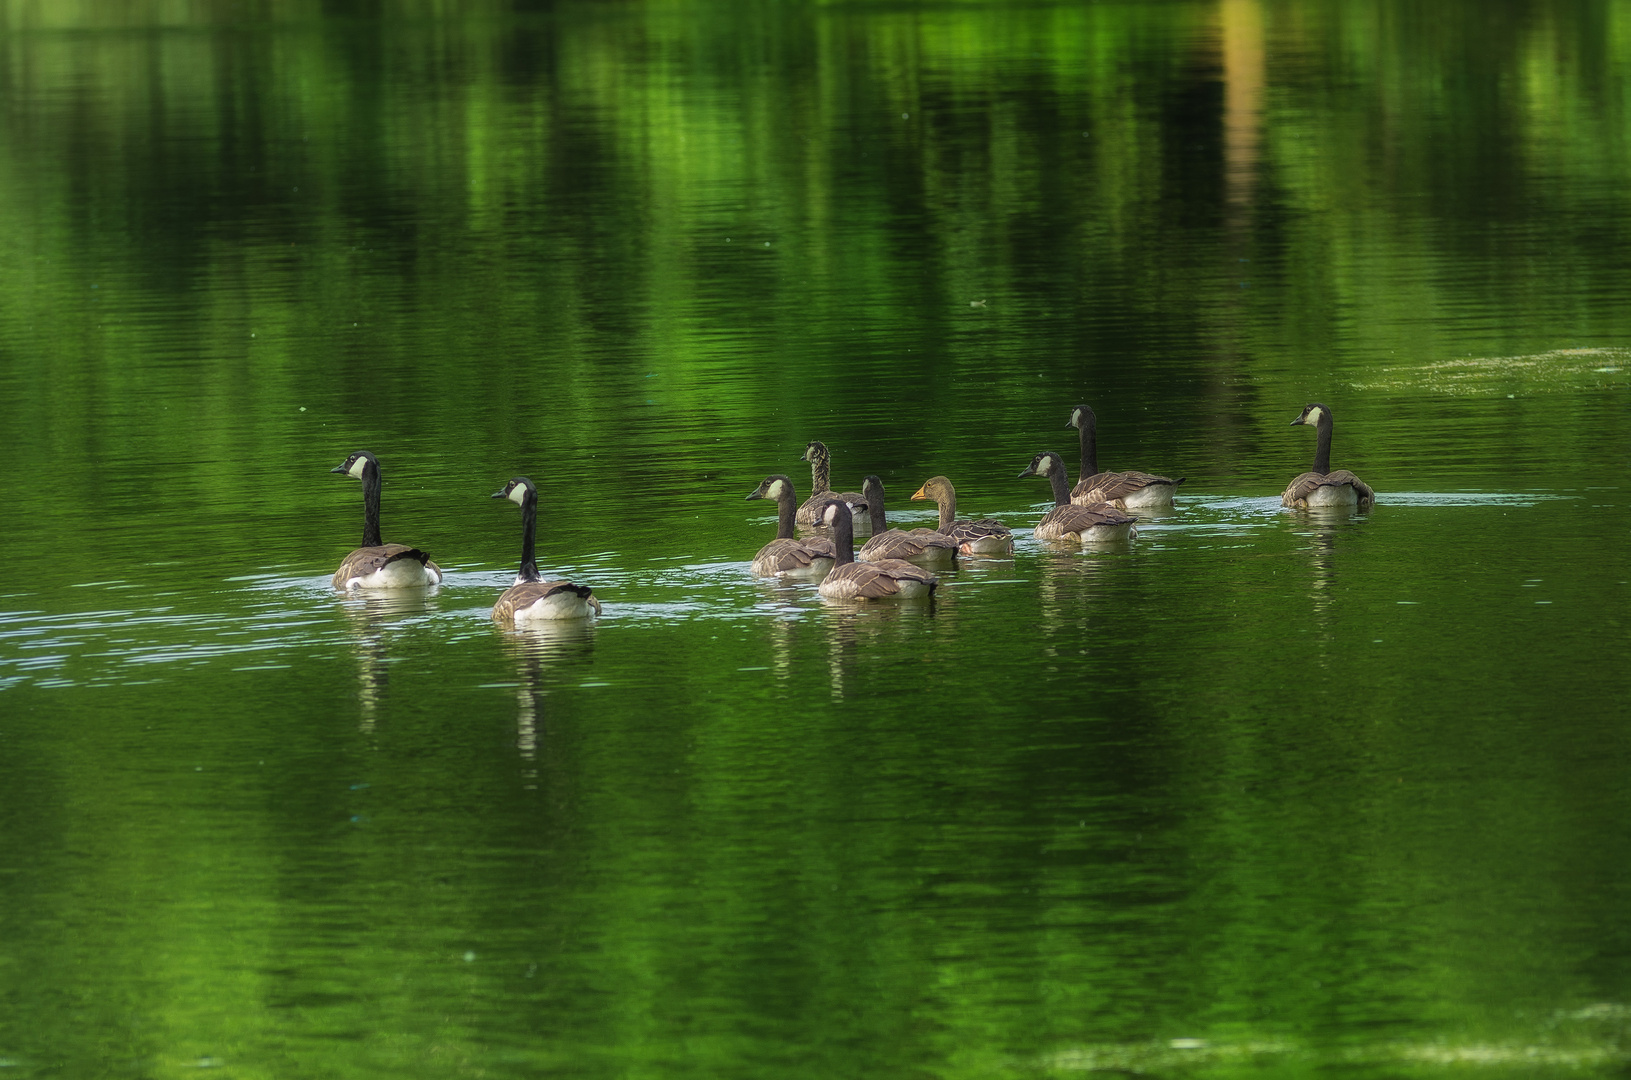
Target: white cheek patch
775, 490
1075, 418
1313, 416
517, 493
1044, 466
357, 467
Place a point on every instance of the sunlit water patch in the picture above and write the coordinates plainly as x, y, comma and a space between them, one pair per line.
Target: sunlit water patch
1557, 371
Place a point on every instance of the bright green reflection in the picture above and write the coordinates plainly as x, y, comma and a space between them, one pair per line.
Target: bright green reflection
1257, 794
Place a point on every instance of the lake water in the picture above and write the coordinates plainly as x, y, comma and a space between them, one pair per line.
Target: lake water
1259, 793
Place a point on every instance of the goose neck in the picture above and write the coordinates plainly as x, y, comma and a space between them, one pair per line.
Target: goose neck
1061, 486
370, 505
786, 512
529, 536
874, 509
843, 538
820, 473
1322, 451
1089, 441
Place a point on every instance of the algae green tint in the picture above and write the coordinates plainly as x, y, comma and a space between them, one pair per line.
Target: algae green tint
1258, 792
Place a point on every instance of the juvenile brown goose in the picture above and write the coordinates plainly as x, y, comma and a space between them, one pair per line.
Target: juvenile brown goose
985, 536
377, 565
1320, 486
1124, 490
786, 556
532, 599
1067, 521
913, 545
884, 579
821, 485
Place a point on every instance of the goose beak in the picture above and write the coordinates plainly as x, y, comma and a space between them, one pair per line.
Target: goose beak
1299, 420
919, 494
1027, 471
756, 494
501, 495
340, 468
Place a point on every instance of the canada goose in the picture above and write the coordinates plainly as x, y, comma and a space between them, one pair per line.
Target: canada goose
1066, 521
786, 556
377, 565
912, 545
531, 599
1123, 490
882, 579
983, 537
1320, 486
821, 485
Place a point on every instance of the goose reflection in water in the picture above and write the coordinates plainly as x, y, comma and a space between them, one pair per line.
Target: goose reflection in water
1069, 586
858, 631
537, 651
370, 615
1322, 527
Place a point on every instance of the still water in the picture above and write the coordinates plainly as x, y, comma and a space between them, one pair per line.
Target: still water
1258, 793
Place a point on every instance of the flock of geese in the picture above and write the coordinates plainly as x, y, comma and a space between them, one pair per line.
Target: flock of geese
893, 563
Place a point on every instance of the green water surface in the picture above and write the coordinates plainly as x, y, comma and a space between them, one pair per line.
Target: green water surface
1259, 793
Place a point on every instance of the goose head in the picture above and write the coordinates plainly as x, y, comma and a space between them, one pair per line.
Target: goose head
357, 464
1313, 413
772, 487
1044, 464
937, 488
517, 491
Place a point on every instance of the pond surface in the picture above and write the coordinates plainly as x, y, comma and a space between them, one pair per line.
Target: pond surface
1258, 793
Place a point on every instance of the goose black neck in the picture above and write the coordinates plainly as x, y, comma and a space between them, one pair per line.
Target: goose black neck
529, 536
874, 509
1090, 449
1322, 452
843, 537
1061, 486
370, 505
786, 511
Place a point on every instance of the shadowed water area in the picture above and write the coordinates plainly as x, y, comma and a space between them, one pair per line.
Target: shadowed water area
1257, 793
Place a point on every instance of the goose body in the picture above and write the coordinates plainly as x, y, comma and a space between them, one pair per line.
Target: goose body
926, 546
821, 485
532, 599
985, 536
1123, 490
787, 556
880, 579
1321, 487
378, 565
1096, 524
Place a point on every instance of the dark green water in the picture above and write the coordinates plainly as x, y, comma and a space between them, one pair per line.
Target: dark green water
1257, 794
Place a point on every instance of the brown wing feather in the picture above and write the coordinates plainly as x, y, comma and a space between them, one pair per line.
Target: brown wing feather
900, 544
368, 560
1367, 497
1072, 521
1108, 487
524, 594
873, 580
807, 511
781, 556
1304, 485
983, 534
